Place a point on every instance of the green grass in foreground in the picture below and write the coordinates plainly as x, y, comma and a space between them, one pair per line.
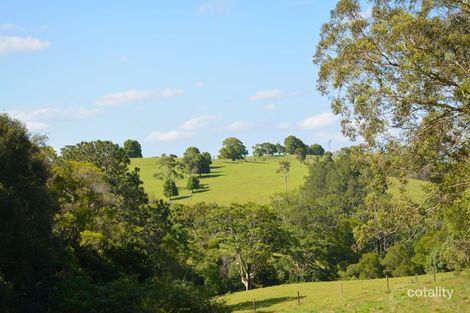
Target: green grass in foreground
359, 296
254, 180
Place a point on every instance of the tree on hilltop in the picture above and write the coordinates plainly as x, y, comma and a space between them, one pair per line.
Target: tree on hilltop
233, 149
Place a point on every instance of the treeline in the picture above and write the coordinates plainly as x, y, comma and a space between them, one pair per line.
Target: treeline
78, 233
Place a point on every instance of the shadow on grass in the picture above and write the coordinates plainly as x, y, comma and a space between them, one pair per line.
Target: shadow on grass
211, 175
215, 167
247, 305
180, 197
204, 189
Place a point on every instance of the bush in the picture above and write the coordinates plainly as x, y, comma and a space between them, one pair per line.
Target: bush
368, 267
397, 262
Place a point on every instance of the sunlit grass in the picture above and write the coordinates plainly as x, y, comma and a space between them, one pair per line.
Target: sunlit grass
358, 296
253, 180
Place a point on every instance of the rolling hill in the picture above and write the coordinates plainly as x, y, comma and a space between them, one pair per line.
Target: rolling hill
253, 180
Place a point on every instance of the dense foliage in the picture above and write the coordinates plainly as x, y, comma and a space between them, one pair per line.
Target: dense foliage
132, 148
78, 234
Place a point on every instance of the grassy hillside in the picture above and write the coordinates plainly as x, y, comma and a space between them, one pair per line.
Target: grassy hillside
240, 181
359, 296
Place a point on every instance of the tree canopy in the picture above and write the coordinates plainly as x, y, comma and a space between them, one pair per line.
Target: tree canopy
233, 149
292, 143
132, 148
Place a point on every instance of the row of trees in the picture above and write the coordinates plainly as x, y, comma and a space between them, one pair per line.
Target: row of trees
233, 149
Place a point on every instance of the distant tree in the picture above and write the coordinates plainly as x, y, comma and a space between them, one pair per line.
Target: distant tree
192, 160
206, 161
292, 143
280, 149
258, 150
170, 189
283, 170
132, 148
316, 149
193, 183
169, 168
300, 155
233, 149
264, 148
270, 148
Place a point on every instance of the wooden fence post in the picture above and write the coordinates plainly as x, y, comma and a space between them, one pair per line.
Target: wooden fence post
254, 305
388, 285
434, 272
342, 295
298, 297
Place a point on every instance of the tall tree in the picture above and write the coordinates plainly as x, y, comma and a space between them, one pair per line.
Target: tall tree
113, 161
377, 84
283, 170
169, 168
406, 66
205, 165
192, 160
300, 154
132, 148
251, 234
233, 149
26, 208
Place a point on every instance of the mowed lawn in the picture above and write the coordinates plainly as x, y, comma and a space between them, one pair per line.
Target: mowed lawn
253, 180
358, 296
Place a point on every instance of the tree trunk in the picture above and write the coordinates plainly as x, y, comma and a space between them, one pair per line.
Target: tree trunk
285, 182
245, 272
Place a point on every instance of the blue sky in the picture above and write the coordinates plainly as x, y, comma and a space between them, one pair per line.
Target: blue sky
169, 74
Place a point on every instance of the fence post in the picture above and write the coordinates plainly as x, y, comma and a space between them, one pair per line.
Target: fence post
416, 275
342, 295
388, 285
434, 272
298, 297
254, 305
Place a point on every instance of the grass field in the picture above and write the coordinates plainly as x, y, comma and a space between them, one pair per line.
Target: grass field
253, 180
358, 296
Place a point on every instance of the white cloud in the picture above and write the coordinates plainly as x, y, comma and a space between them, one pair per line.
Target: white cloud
319, 121
272, 94
53, 113
12, 44
239, 125
200, 84
284, 125
270, 107
217, 7
171, 135
35, 126
9, 26
134, 95
197, 122
39, 119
